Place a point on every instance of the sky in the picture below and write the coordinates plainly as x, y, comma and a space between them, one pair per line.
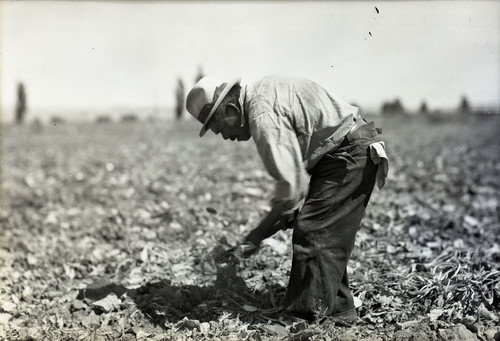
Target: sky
99, 55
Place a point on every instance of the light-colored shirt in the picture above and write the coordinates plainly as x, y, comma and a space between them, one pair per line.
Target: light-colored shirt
294, 123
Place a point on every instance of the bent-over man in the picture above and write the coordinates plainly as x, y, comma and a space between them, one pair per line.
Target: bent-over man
325, 159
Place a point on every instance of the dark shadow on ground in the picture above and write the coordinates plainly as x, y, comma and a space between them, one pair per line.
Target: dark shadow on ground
163, 302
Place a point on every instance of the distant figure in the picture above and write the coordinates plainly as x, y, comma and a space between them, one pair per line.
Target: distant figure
179, 99
21, 103
325, 159
464, 106
423, 108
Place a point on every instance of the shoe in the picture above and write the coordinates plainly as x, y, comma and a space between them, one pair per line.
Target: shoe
345, 318
280, 314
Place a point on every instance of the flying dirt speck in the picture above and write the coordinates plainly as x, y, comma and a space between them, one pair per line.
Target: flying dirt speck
377, 10
211, 210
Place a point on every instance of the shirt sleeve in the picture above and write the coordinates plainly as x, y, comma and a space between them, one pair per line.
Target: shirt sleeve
281, 154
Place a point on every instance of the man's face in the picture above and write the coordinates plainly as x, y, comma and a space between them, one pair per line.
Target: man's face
229, 126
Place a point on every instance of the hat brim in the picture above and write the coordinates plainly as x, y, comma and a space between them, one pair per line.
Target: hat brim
222, 95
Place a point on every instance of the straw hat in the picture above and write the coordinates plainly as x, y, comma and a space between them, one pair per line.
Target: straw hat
207, 94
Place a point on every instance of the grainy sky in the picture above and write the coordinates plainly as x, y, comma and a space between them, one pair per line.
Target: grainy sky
95, 55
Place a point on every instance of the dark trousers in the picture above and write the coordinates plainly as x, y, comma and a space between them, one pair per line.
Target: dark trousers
325, 228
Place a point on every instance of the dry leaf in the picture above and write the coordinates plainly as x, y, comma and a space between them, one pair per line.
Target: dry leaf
435, 314
107, 304
8, 306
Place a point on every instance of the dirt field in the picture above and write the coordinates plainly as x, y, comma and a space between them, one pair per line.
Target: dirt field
108, 232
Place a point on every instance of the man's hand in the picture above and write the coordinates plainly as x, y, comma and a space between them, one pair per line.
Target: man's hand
272, 223
245, 250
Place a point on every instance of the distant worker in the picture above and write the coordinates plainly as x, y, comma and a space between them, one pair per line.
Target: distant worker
325, 159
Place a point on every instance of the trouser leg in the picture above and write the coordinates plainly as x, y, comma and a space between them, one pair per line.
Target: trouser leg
325, 230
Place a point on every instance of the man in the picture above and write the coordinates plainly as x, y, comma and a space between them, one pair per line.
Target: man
322, 155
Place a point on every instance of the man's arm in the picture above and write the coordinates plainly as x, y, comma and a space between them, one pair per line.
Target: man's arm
280, 152
267, 227
272, 223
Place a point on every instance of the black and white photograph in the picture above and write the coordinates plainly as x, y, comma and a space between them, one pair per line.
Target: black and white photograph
250, 170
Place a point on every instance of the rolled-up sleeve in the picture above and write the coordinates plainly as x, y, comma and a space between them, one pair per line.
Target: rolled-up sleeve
281, 154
